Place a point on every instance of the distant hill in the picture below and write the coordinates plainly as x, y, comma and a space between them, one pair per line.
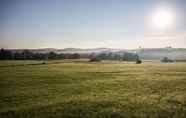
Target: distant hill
68, 50
159, 53
144, 53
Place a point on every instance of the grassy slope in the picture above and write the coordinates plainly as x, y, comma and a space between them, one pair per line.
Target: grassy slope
106, 89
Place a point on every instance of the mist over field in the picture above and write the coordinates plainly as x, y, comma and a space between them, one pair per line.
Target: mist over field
144, 53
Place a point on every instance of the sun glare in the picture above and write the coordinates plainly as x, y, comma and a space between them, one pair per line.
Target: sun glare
162, 18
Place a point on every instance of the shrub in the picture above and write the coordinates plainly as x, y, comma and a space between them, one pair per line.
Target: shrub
138, 61
165, 59
94, 59
43, 62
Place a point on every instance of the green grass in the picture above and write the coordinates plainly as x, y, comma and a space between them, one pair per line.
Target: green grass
93, 90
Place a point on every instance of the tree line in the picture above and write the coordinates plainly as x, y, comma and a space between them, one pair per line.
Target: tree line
125, 56
29, 55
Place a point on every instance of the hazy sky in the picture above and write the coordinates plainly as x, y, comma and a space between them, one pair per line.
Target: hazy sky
92, 23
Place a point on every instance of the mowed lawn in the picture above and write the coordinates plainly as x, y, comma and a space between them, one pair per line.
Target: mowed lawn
92, 90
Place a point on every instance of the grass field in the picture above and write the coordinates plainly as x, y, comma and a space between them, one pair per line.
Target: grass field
92, 90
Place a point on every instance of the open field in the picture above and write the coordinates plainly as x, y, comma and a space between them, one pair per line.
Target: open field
92, 90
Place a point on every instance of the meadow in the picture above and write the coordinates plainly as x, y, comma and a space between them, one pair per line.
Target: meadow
81, 89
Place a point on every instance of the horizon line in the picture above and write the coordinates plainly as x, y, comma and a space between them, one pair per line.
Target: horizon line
94, 48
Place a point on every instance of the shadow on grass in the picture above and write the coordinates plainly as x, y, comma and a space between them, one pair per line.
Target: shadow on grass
98, 109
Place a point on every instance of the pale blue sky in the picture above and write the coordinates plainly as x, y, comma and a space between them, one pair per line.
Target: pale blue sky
89, 24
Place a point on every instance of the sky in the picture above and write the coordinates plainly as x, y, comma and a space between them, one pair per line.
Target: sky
124, 24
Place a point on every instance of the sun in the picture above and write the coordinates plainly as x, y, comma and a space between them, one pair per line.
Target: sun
162, 18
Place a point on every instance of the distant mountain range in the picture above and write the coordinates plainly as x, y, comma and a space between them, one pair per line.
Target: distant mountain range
144, 53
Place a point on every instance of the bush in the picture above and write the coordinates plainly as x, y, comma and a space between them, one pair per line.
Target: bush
165, 59
43, 62
94, 59
138, 61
